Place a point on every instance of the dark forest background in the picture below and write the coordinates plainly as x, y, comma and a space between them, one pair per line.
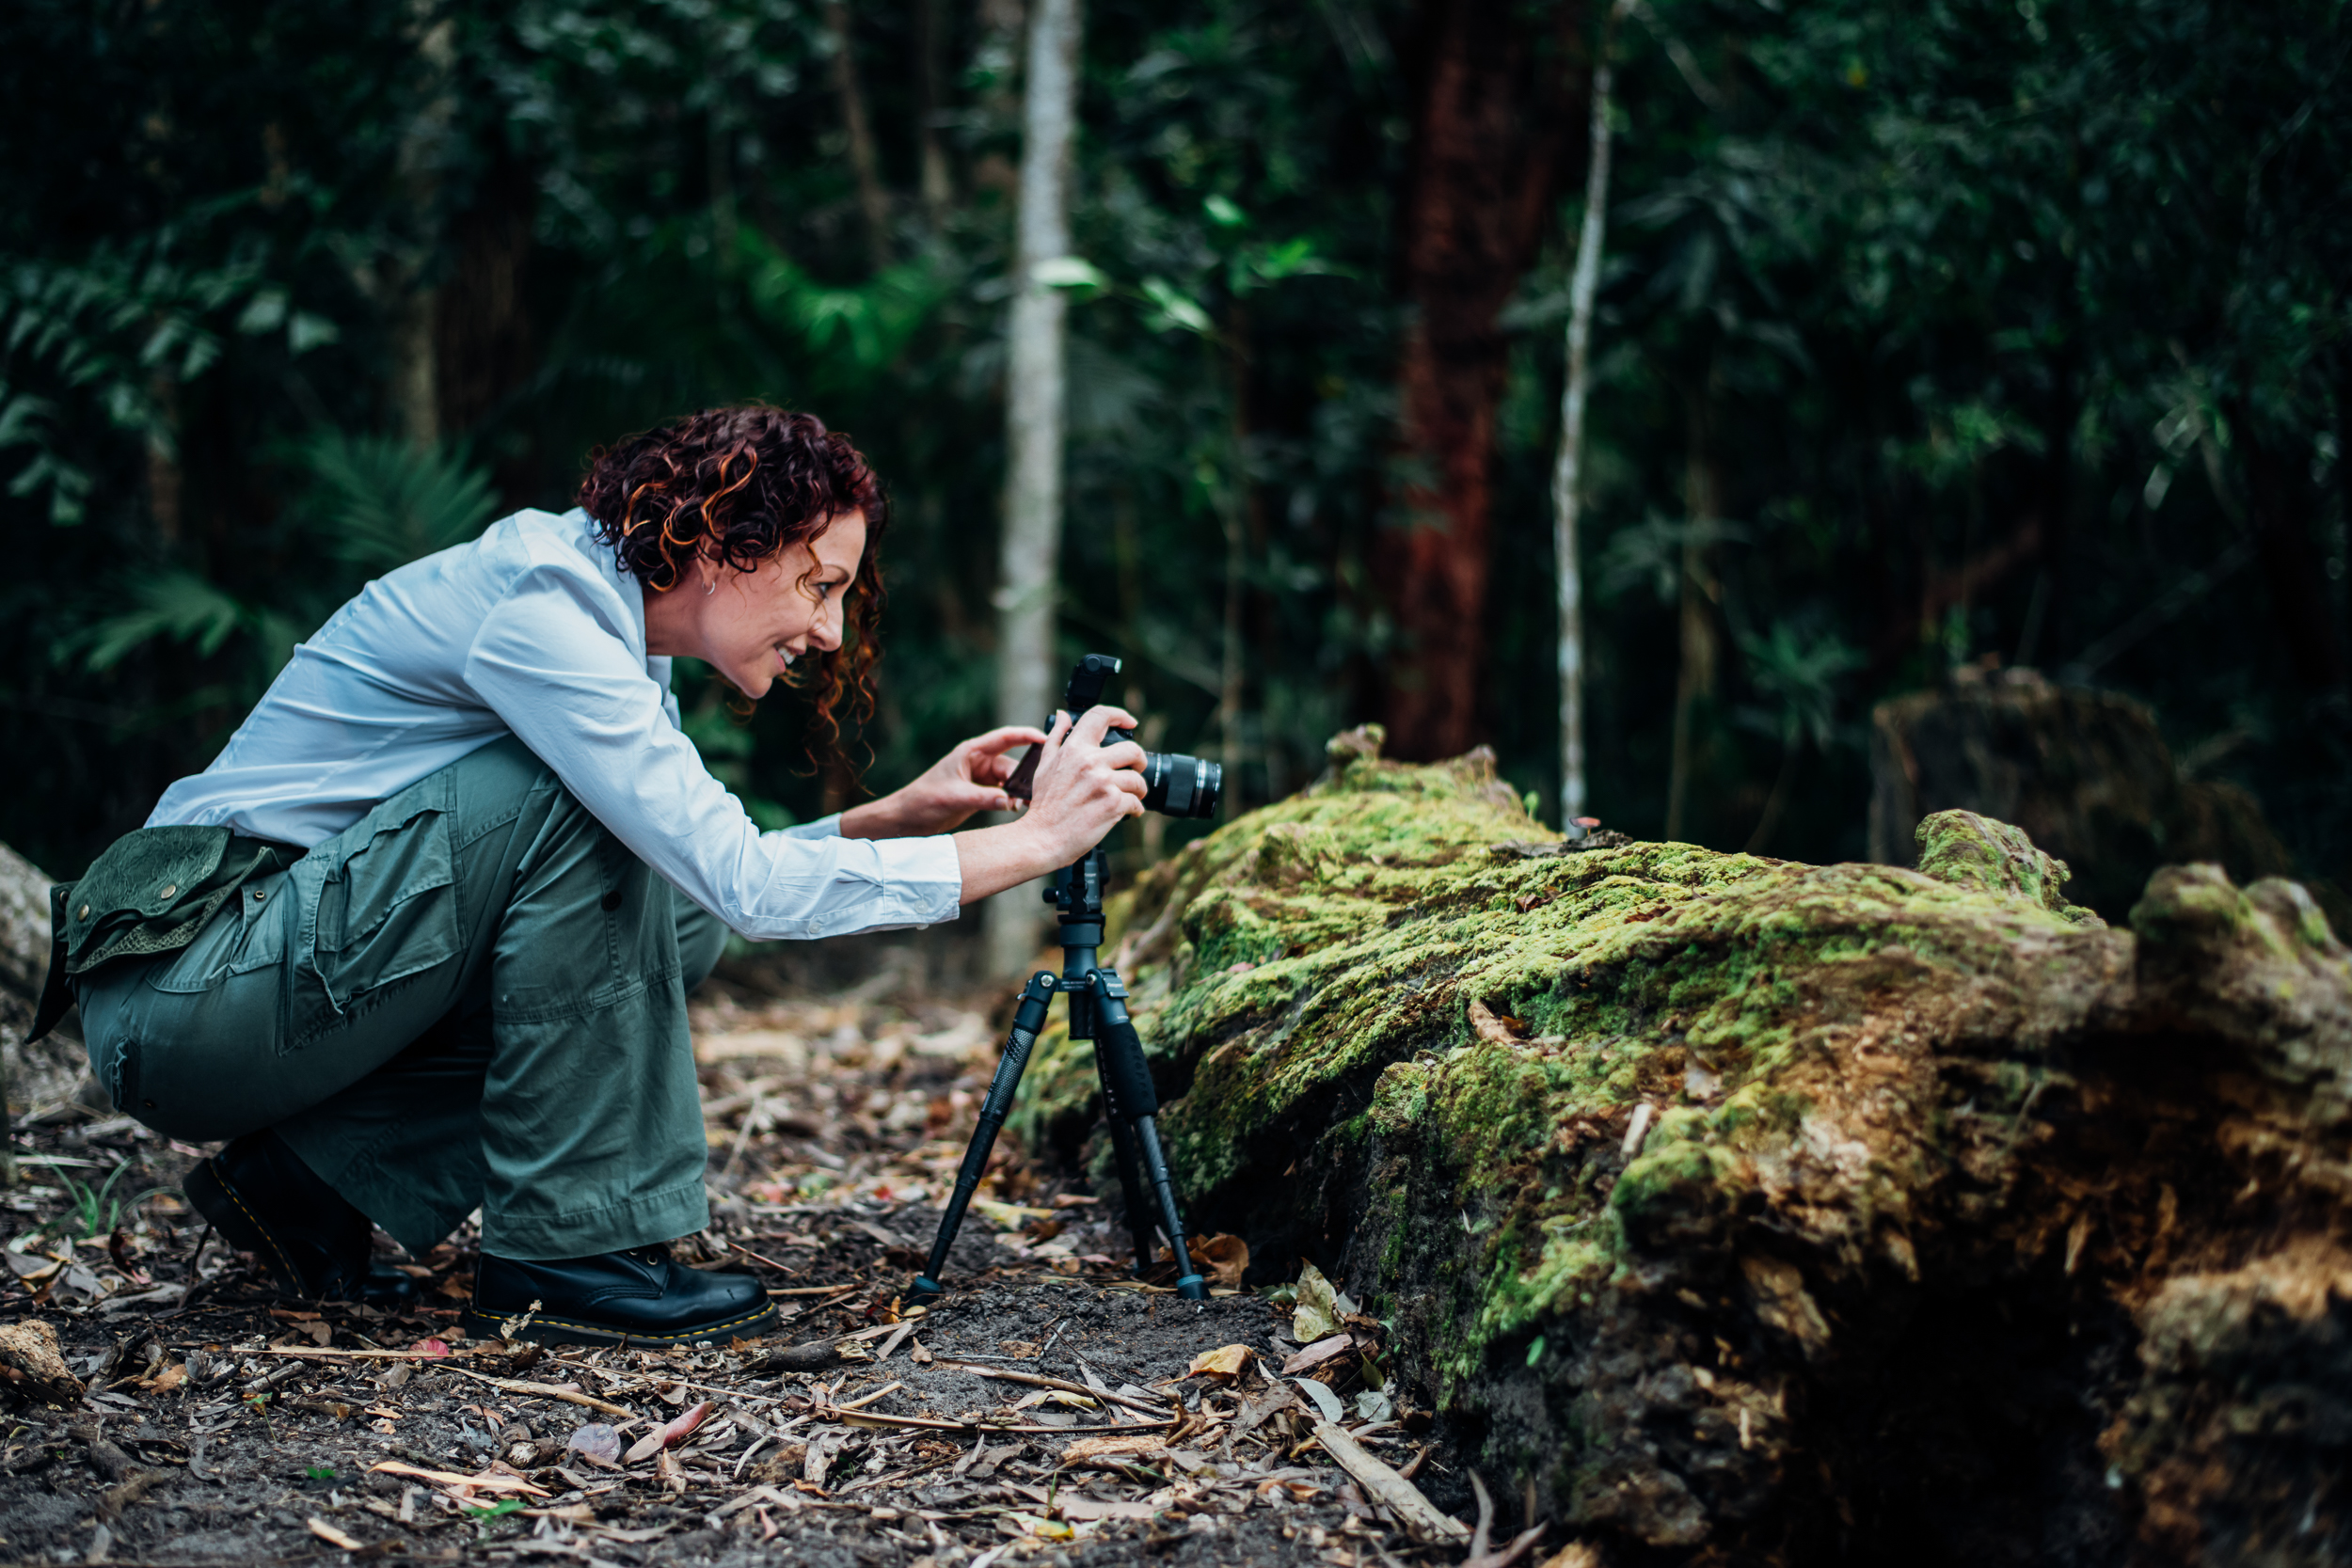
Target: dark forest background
1931, 336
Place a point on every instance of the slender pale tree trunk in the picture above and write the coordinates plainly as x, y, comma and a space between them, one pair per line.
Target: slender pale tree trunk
1034, 407
1567, 469
937, 185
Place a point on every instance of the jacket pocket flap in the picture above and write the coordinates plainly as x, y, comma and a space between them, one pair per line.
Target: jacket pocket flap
147, 873
400, 859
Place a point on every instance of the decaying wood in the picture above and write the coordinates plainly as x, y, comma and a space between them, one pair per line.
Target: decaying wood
1650, 1156
31, 1363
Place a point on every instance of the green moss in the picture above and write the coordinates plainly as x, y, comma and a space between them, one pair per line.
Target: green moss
1304, 980
1969, 850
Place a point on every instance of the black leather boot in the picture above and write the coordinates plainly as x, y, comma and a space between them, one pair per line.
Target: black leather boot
263, 1200
643, 1296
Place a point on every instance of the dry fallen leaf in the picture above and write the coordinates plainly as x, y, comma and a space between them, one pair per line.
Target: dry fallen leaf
672, 1436
332, 1536
597, 1440
1499, 1028
1317, 1314
1224, 1258
1225, 1362
1317, 1354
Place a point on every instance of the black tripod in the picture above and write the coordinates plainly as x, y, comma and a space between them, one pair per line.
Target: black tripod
1098, 1011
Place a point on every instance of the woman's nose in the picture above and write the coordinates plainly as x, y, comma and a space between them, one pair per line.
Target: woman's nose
826, 633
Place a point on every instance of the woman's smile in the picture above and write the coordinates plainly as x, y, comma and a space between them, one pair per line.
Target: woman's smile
753, 626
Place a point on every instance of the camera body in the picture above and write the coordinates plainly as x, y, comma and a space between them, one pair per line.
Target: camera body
1174, 784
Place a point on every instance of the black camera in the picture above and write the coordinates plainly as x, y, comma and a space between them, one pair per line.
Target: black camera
1174, 783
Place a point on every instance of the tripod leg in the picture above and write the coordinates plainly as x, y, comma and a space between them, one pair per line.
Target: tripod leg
1027, 1021
1189, 1281
1127, 1083
1133, 1193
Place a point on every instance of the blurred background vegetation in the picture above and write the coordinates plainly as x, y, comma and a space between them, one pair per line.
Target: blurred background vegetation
1934, 338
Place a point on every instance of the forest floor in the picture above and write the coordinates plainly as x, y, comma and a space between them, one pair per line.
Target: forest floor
1051, 1410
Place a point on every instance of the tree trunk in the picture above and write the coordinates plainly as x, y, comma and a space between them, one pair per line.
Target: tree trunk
864, 160
1694, 676
1233, 513
24, 964
483, 346
930, 45
1756, 1213
1493, 123
2277, 505
406, 282
1567, 469
1034, 397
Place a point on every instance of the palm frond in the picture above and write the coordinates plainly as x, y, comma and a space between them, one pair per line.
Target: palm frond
377, 501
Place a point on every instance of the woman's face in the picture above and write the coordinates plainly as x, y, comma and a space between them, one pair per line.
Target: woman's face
751, 625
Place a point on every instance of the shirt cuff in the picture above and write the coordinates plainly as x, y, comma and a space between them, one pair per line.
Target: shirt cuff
824, 827
925, 876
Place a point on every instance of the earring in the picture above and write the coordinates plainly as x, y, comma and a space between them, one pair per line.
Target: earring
710, 588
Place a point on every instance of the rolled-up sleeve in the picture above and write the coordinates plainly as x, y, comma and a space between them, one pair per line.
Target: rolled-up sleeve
573, 686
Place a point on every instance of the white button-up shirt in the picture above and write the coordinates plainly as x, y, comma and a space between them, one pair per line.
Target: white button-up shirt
533, 630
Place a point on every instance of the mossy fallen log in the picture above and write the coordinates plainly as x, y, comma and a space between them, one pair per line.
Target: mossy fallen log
1755, 1211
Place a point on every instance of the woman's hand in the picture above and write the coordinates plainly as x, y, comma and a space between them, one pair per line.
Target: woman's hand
966, 780
1083, 789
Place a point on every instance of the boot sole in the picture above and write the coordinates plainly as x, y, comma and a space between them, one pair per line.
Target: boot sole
229, 1214
544, 1330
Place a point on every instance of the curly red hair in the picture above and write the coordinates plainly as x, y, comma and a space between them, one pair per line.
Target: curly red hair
739, 484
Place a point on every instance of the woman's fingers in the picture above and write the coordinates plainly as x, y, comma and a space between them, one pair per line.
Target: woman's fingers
996, 742
1098, 720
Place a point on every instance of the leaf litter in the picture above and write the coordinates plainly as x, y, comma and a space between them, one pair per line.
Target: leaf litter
160, 1405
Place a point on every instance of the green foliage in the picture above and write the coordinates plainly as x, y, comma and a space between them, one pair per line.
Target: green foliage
91, 1211
1990, 325
377, 502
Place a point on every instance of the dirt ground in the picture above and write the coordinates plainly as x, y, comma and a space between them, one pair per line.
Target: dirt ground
1051, 1410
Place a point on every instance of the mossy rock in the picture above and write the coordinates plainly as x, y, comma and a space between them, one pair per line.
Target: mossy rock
1762, 1211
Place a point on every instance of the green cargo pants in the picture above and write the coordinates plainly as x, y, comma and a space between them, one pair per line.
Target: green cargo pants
473, 996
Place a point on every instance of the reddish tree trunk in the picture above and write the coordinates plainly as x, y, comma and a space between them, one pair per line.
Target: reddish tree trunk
1494, 125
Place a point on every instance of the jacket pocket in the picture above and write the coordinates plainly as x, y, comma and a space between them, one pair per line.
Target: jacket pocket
388, 907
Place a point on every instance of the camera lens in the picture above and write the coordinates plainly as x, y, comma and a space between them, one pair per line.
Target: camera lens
1179, 785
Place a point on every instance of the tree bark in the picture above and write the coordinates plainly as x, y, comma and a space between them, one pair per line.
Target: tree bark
1567, 469
407, 279
1701, 651
482, 345
1034, 418
24, 945
1492, 128
872, 201
930, 42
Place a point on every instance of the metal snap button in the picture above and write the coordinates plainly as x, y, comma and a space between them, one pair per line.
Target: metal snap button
259, 896
82, 913
169, 888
